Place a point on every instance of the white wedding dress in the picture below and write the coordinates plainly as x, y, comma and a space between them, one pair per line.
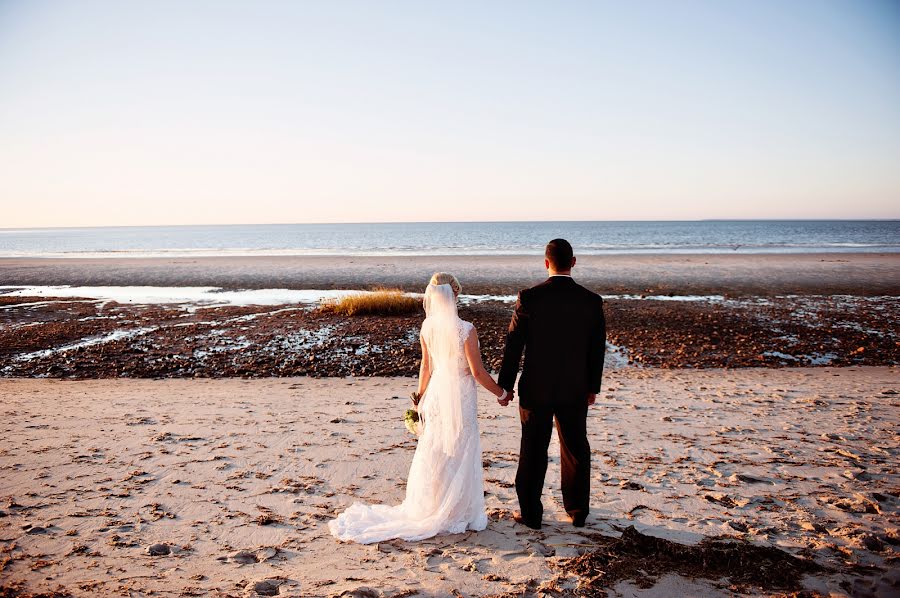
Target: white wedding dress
445, 488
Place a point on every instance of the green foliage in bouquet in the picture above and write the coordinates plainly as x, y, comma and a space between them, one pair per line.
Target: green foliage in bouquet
411, 419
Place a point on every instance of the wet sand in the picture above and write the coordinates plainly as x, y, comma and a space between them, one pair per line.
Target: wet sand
735, 274
224, 487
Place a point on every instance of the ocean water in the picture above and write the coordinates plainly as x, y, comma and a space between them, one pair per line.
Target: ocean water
458, 238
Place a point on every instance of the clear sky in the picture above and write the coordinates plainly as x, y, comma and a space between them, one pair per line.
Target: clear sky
192, 112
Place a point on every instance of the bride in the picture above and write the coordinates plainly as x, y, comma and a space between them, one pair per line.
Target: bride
445, 490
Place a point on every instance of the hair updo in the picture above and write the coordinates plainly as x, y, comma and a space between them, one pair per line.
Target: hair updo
445, 278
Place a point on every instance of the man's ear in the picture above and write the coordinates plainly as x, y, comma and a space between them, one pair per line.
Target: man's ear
546, 264
573, 262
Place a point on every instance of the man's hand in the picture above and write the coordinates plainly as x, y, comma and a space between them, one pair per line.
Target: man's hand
592, 398
509, 397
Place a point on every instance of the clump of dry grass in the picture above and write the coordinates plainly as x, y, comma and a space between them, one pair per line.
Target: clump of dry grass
381, 302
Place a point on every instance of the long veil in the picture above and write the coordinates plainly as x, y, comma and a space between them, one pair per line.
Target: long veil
442, 330
445, 487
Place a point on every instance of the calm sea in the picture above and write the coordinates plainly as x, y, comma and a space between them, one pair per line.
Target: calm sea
459, 238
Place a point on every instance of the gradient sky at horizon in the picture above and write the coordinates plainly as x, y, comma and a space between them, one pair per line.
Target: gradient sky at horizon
209, 112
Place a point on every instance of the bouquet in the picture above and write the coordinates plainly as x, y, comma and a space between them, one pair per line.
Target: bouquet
411, 417
412, 421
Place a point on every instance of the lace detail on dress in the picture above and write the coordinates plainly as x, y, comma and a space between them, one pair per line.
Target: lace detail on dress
464, 329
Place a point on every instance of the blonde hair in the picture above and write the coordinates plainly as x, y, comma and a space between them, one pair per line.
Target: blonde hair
445, 278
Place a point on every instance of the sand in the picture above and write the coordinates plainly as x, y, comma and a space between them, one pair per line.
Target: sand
236, 479
747, 274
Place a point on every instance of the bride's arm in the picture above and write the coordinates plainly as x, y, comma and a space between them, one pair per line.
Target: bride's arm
424, 369
473, 356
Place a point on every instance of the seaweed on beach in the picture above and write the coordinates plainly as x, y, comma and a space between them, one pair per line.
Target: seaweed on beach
86, 339
643, 559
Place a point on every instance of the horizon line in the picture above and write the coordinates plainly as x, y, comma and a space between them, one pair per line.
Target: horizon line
562, 221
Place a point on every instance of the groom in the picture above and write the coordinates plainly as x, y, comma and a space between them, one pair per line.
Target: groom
560, 326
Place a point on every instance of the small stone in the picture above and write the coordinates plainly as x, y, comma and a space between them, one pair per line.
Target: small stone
739, 526
158, 549
861, 475
749, 479
812, 527
872, 543
266, 519
264, 554
244, 557
266, 587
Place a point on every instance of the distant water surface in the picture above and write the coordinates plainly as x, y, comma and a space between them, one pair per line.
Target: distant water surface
458, 238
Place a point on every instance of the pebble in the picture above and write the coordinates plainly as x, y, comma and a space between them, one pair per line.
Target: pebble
361, 592
244, 557
749, 479
629, 485
264, 554
265, 587
739, 526
812, 527
860, 475
872, 543
158, 549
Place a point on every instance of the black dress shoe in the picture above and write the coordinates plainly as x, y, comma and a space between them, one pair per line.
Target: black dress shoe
578, 520
517, 517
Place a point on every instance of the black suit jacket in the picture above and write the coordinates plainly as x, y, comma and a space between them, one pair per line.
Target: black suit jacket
560, 326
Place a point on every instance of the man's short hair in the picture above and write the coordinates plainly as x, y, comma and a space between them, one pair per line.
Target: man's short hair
559, 253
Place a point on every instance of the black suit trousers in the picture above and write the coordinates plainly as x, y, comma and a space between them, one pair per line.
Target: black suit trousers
575, 458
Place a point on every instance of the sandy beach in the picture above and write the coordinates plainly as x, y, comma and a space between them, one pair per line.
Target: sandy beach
219, 227
170, 472
232, 482
759, 274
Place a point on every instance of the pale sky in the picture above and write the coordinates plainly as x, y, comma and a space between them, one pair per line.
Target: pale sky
208, 112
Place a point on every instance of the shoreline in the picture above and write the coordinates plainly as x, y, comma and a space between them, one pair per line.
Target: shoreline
691, 311
863, 274
238, 480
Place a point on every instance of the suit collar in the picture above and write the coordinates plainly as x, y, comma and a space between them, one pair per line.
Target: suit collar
559, 279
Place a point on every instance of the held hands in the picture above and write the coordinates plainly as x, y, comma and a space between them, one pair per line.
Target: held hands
505, 398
